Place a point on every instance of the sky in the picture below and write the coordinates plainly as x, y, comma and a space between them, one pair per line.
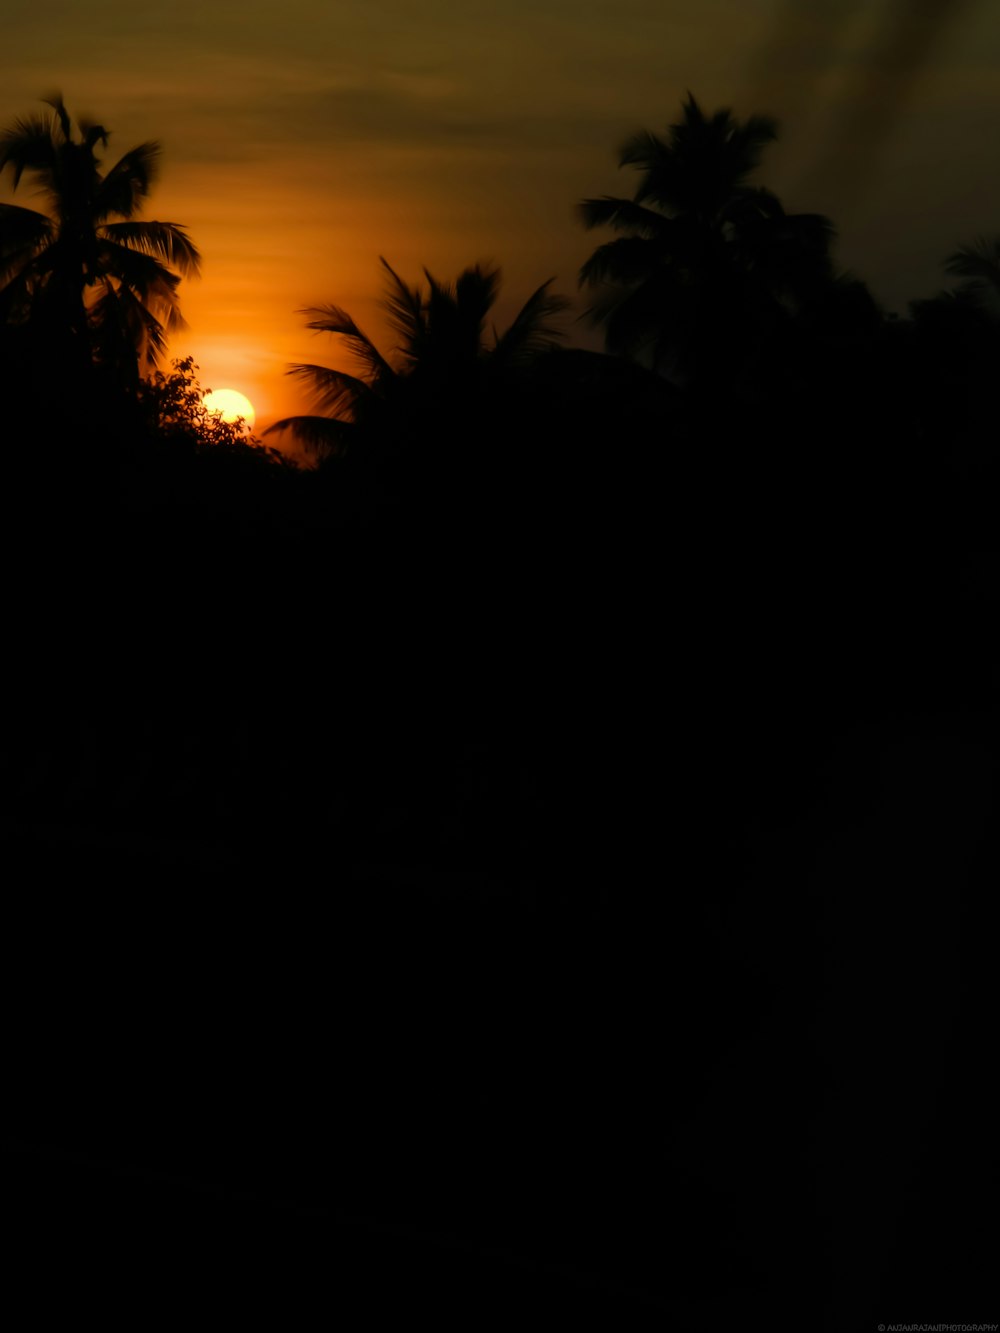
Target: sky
304, 139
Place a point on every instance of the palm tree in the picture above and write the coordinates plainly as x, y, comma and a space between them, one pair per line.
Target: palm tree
952, 344
709, 263
444, 375
89, 275
979, 264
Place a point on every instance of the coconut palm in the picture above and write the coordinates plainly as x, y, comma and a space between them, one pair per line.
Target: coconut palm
979, 264
444, 371
88, 273
709, 262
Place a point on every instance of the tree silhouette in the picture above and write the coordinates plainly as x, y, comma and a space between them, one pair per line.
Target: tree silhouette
979, 264
443, 372
952, 348
173, 407
710, 262
88, 277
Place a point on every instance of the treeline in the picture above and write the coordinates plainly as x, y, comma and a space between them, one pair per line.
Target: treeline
741, 364
761, 454
502, 794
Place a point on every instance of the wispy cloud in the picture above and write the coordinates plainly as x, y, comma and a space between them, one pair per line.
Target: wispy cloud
880, 89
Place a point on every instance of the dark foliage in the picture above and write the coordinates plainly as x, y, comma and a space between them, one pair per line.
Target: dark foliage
711, 267
95, 281
542, 860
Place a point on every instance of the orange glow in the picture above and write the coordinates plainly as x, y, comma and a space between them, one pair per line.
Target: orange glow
320, 137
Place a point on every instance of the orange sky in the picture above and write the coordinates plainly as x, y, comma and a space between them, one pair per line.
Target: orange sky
303, 140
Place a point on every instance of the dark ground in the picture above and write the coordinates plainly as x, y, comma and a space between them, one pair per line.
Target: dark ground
394, 931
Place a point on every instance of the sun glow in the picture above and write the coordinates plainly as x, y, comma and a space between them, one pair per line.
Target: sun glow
230, 406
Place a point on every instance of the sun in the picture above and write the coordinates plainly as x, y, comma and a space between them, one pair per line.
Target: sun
229, 405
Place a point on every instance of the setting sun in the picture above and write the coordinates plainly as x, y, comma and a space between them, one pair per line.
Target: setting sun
230, 406
700, 325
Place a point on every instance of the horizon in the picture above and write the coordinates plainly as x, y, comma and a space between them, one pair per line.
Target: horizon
293, 172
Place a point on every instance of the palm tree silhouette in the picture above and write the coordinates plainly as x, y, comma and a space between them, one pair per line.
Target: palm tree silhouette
444, 371
710, 262
89, 275
979, 264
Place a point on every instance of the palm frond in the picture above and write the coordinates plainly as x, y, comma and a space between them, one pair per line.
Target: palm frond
127, 327
127, 184
19, 266
748, 141
55, 101
476, 291
979, 262
441, 339
642, 149
622, 214
27, 274
333, 319
438, 293
149, 282
27, 145
629, 259
23, 227
477, 288
405, 308
140, 270
15, 296
320, 435
333, 390
167, 242
532, 330
92, 134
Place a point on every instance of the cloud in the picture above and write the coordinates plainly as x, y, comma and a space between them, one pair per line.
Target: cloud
803, 43
879, 91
